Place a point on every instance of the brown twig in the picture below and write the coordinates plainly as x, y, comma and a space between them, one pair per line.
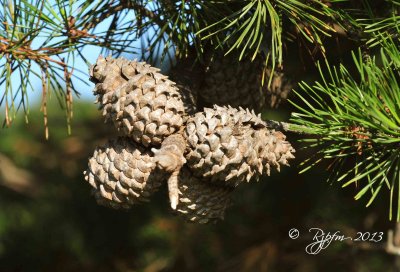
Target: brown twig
75, 34
68, 96
25, 52
44, 100
123, 4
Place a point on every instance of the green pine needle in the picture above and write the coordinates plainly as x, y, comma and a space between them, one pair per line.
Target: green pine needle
356, 119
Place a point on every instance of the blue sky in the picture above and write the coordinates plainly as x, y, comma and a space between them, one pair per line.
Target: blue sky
90, 52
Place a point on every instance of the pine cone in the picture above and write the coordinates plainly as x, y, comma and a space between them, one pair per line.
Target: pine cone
141, 102
233, 145
230, 82
199, 201
279, 88
122, 173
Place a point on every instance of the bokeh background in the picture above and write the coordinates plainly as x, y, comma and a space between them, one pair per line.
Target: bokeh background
50, 222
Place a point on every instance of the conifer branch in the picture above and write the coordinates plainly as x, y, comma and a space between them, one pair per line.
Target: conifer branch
358, 121
120, 6
290, 127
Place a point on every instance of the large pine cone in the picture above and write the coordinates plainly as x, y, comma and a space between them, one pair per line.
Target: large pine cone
141, 102
230, 82
231, 145
122, 173
199, 201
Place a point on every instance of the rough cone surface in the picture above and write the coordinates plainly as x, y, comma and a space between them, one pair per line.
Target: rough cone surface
199, 201
231, 145
141, 102
230, 82
122, 173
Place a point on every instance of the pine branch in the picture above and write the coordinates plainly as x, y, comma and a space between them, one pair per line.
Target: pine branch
115, 9
384, 27
290, 127
253, 26
357, 121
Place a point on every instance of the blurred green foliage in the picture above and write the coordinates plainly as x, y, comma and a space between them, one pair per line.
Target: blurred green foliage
61, 228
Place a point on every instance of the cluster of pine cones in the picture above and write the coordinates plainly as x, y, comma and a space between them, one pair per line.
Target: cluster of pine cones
201, 155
